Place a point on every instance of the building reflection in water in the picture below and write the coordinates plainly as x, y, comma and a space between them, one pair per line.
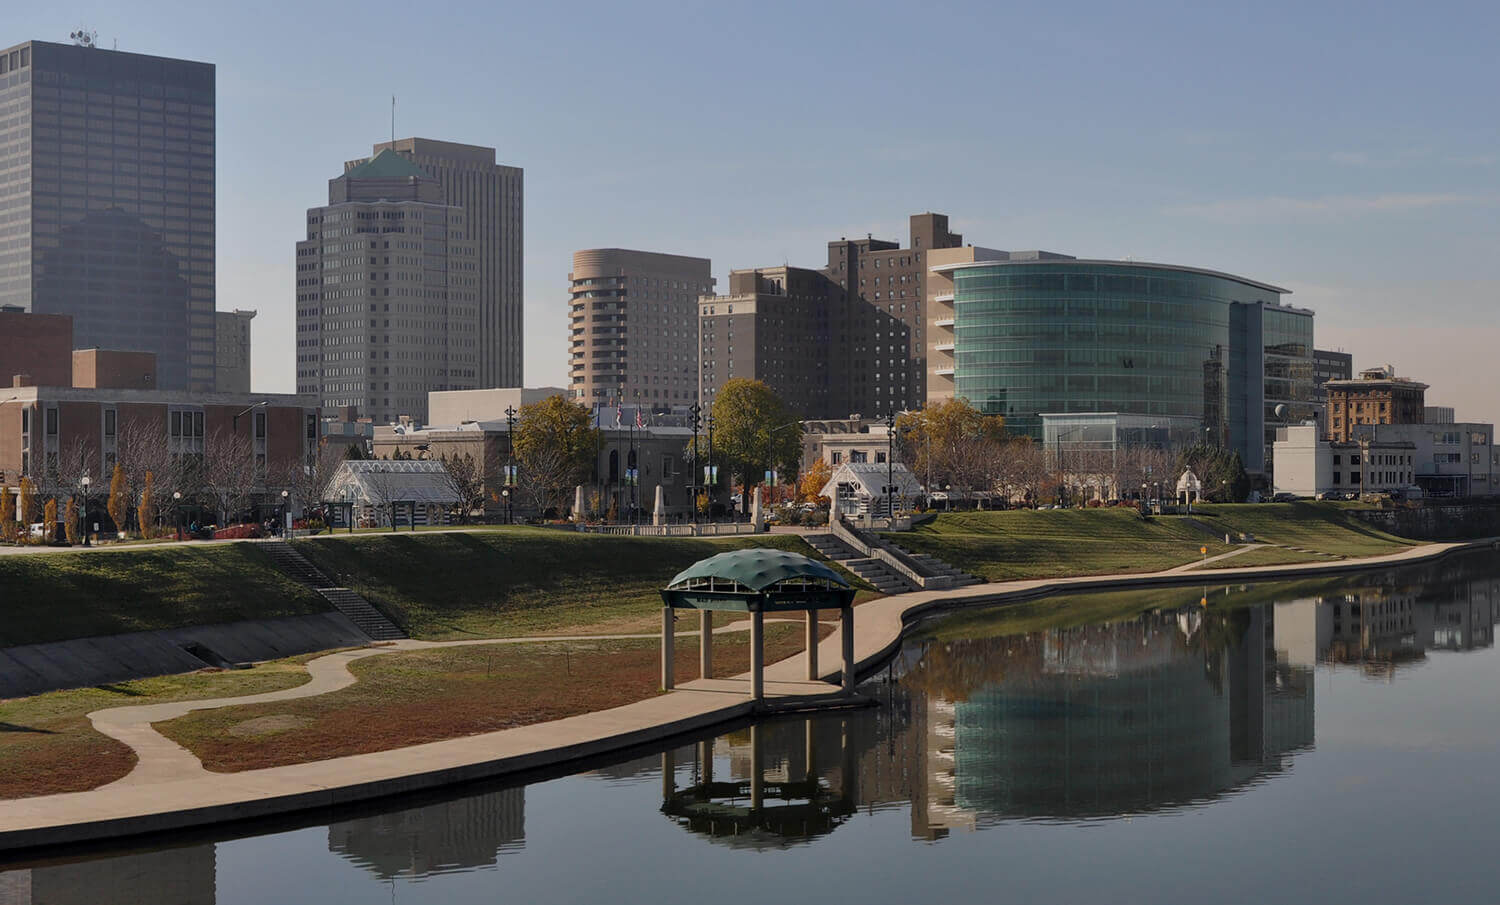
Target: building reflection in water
176, 876
458, 835
1380, 624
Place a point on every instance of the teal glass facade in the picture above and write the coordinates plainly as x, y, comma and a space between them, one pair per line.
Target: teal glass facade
1116, 336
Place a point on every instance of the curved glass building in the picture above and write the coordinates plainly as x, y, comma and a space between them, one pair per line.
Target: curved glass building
1029, 333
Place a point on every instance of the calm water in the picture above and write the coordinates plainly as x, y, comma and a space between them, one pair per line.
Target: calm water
1322, 741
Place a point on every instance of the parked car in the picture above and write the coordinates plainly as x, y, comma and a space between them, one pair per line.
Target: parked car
1285, 498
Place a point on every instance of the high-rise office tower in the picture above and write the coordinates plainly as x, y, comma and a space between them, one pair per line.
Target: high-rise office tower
107, 200
387, 293
633, 324
232, 352
491, 196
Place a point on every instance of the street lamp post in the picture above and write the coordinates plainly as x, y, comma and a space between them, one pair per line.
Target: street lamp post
709, 478
84, 483
510, 461
285, 499
890, 467
696, 410
177, 512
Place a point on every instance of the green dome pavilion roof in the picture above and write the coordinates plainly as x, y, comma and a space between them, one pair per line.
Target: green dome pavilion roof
758, 569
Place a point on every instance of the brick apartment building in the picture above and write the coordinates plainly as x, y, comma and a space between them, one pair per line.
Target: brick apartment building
1377, 396
58, 403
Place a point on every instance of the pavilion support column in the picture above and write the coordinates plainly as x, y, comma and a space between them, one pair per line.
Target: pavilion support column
811, 642
810, 749
846, 632
757, 770
758, 656
706, 755
668, 649
705, 644
668, 775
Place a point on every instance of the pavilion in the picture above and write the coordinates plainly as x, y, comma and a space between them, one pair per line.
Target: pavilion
758, 581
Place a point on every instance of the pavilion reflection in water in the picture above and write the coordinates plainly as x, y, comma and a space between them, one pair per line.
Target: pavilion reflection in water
769, 786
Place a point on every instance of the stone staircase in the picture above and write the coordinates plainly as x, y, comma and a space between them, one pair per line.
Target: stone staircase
357, 609
939, 567
869, 569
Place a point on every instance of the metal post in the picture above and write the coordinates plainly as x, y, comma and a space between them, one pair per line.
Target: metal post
510, 462
846, 632
668, 774
709, 477
757, 769
668, 649
811, 641
758, 656
696, 411
890, 466
705, 644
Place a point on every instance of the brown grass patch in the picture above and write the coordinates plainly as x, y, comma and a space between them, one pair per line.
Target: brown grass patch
423, 696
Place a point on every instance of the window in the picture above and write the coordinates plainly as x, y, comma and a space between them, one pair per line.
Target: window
260, 425
51, 422
835, 458
1336, 476
1337, 460
109, 422
177, 424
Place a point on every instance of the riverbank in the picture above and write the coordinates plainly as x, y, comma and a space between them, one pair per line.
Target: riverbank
131, 808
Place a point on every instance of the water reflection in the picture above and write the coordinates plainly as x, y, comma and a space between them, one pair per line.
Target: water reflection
1380, 624
770, 786
180, 876
458, 835
987, 721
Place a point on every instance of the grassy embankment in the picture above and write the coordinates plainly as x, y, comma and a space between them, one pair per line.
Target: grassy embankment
422, 696
1023, 543
524, 581
59, 596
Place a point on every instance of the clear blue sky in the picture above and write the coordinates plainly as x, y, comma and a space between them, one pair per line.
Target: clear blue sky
1350, 151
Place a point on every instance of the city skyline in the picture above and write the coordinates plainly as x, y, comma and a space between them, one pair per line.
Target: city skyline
1365, 197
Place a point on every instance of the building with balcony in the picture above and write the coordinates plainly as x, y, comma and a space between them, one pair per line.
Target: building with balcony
1023, 333
633, 326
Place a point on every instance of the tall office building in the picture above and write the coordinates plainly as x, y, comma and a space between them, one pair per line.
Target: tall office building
107, 200
860, 348
491, 197
388, 293
633, 325
232, 350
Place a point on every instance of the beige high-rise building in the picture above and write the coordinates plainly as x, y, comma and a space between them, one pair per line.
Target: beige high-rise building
634, 326
388, 294
232, 351
491, 196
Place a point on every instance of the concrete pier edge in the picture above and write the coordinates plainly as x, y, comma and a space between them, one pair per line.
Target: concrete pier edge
880, 625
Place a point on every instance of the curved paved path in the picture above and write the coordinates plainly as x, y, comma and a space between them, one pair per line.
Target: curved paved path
177, 800
159, 759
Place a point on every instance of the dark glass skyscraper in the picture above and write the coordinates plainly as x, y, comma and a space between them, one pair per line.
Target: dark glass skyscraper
107, 200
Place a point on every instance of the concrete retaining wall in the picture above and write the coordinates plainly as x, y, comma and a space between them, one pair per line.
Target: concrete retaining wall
34, 668
1451, 521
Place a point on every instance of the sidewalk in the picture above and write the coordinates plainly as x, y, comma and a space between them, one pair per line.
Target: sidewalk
177, 796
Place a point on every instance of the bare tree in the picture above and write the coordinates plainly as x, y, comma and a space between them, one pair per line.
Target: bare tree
228, 472
141, 448
309, 484
465, 476
544, 478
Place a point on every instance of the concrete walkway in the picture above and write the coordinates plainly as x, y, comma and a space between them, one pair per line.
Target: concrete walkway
176, 793
1191, 566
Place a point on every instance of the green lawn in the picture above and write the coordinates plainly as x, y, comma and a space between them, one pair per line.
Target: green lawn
1035, 543
59, 596
1025, 543
1323, 527
1266, 556
518, 581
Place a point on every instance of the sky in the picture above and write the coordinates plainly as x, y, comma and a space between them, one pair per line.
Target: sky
1347, 151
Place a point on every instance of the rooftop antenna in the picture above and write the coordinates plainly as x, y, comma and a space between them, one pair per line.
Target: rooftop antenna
393, 122
84, 38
